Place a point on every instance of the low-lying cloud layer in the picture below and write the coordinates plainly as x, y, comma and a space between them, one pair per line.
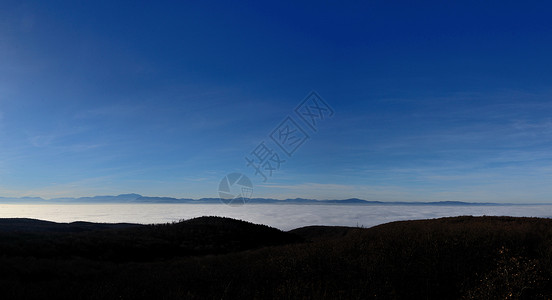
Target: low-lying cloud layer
284, 217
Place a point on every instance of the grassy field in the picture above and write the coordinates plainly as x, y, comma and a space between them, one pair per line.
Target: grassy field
221, 258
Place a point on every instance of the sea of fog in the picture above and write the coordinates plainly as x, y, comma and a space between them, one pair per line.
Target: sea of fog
285, 217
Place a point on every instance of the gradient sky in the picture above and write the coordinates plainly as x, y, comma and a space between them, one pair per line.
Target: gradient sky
431, 102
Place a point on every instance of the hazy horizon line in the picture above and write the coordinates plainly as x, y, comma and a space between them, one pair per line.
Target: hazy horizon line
129, 197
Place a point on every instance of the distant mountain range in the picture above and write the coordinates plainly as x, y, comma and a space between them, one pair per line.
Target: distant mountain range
136, 198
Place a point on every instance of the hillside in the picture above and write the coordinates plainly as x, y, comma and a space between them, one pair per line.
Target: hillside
134, 242
221, 258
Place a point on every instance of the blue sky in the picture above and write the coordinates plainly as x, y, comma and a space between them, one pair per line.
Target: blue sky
434, 101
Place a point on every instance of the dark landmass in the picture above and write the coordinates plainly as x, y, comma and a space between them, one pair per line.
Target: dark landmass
35, 226
136, 198
222, 258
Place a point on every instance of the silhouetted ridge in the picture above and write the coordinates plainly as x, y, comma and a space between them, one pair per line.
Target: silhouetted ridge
215, 235
123, 242
446, 258
315, 233
33, 225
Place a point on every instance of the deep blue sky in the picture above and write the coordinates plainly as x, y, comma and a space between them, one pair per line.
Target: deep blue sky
432, 101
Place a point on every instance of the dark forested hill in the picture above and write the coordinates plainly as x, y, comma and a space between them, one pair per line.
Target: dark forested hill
222, 258
33, 225
127, 242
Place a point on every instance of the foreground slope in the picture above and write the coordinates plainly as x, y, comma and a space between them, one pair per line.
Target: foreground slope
220, 258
